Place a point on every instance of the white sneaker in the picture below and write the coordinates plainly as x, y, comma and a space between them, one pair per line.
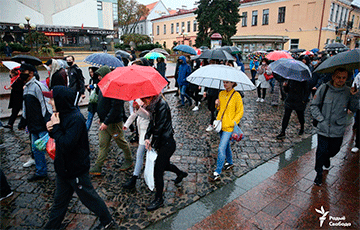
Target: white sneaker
196, 108
355, 149
257, 100
209, 128
262, 100
29, 163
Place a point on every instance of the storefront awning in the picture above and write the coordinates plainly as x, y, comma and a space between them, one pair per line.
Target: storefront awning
259, 39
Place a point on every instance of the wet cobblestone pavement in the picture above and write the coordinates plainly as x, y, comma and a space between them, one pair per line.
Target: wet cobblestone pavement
196, 153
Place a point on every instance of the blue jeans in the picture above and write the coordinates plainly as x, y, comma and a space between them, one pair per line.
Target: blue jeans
183, 94
40, 161
224, 151
89, 120
139, 160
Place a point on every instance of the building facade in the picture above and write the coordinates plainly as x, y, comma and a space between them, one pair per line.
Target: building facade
145, 25
179, 28
287, 24
66, 23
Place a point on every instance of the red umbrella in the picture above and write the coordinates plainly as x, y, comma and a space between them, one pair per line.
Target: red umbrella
308, 53
276, 55
132, 82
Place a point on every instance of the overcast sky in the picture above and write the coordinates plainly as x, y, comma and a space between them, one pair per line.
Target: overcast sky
171, 3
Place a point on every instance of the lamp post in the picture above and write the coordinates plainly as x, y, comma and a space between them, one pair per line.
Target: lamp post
183, 34
29, 27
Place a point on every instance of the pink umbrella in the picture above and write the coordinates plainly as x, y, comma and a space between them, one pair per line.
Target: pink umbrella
276, 55
308, 53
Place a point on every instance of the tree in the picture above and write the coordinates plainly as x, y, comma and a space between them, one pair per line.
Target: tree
129, 13
136, 38
216, 16
37, 38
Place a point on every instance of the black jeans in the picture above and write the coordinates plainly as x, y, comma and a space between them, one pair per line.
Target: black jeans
327, 147
193, 92
259, 92
163, 164
5, 188
253, 75
286, 118
87, 194
14, 113
211, 106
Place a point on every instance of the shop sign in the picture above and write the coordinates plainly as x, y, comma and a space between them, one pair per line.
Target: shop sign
54, 34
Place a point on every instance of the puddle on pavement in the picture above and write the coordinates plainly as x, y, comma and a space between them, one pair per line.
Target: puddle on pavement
209, 204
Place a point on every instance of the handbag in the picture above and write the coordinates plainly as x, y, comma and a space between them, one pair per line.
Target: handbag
217, 124
237, 134
316, 122
151, 156
51, 148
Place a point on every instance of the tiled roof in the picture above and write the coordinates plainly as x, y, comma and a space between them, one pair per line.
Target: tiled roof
179, 12
149, 7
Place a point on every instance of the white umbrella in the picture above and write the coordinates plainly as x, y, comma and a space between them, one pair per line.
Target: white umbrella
10, 64
212, 76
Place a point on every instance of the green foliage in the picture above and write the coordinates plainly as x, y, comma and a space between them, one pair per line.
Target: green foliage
136, 38
122, 46
57, 48
148, 47
47, 51
129, 14
36, 38
220, 16
15, 47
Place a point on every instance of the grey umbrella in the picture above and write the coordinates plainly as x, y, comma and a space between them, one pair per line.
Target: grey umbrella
335, 45
230, 49
159, 50
122, 54
349, 60
216, 55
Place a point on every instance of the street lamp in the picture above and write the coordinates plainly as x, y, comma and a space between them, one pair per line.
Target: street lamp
29, 26
183, 34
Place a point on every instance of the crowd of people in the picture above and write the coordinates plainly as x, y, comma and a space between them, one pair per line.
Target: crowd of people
52, 109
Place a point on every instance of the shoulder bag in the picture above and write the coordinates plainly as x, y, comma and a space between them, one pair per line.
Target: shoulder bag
217, 124
315, 122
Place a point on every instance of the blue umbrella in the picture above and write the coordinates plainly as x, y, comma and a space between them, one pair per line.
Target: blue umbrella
291, 69
185, 49
315, 50
101, 59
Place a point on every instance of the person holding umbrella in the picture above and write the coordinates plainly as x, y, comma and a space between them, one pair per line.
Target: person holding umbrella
160, 136
330, 108
254, 65
231, 110
93, 89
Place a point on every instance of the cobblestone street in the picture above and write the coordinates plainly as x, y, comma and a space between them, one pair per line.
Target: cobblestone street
196, 153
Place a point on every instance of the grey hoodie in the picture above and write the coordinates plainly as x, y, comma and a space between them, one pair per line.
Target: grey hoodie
333, 117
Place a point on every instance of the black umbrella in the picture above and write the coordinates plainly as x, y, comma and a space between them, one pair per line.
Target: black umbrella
294, 51
349, 60
143, 53
216, 55
27, 59
230, 49
335, 45
122, 54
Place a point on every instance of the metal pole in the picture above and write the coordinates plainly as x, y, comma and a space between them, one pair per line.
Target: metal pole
321, 24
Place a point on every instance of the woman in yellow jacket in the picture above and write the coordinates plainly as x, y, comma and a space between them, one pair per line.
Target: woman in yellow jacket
231, 115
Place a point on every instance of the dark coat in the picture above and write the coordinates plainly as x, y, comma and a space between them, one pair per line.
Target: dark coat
92, 107
161, 68
184, 72
160, 126
16, 96
298, 95
110, 110
71, 137
76, 79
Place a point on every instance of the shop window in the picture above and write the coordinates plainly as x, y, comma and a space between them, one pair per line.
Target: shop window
281, 16
254, 18
265, 18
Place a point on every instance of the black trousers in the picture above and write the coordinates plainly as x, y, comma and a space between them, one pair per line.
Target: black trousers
193, 92
211, 106
163, 164
259, 92
287, 115
5, 188
14, 113
87, 194
327, 147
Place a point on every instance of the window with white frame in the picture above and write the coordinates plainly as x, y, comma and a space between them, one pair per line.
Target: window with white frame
99, 5
281, 16
177, 27
265, 18
294, 43
254, 18
194, 25
172, 28
164, 28
188, 26
157, 30
244, 19
115, 11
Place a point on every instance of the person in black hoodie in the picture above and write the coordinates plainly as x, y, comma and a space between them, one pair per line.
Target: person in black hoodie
76, 78
161, 133
72, 161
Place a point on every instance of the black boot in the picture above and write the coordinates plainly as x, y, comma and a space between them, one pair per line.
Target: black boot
180, 177
318, 179
155, 204
130, 184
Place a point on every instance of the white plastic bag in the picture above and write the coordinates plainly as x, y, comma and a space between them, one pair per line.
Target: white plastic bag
151, 156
